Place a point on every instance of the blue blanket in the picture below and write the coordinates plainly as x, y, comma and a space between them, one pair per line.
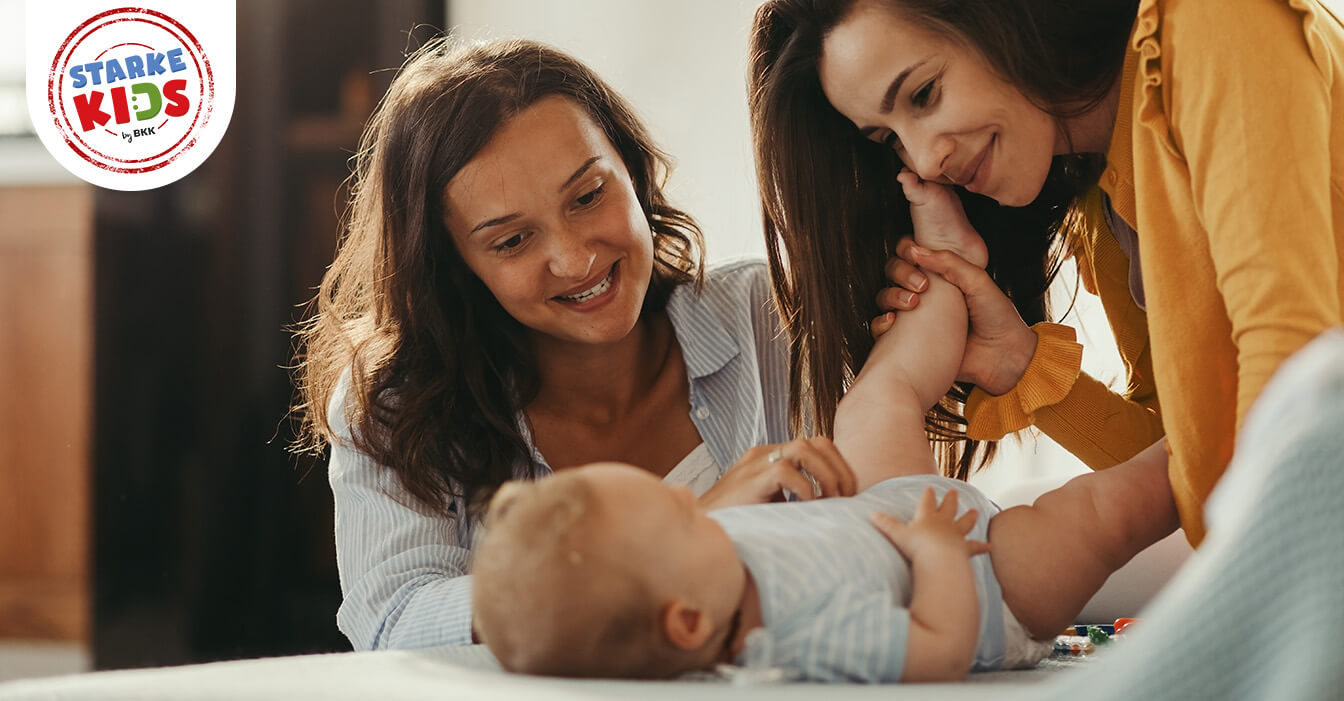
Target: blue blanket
1258, 610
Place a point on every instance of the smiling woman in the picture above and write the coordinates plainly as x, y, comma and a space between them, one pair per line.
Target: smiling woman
515, 295
947, 116
1194, 179
572, 256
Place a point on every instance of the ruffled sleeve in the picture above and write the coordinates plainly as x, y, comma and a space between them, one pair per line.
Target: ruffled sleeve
1151, 100
1049, 377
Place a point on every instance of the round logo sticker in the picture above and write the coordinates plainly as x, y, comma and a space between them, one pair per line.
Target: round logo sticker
130, 90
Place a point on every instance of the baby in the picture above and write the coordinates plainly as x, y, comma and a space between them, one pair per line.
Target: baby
604, 571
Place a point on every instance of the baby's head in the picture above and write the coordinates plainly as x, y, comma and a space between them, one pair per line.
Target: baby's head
603, 571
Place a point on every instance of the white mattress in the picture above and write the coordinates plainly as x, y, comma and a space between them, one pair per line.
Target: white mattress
452, 673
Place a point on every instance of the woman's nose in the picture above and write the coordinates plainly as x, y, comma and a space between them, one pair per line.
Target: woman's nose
571, 256
929, 158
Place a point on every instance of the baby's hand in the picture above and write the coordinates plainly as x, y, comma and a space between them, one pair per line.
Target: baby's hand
939, 219
935, 527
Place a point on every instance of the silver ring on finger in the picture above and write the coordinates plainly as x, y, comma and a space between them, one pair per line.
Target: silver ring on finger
816, 486
775, 456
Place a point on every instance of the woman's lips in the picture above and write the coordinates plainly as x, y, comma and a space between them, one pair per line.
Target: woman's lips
588, 284
611, 280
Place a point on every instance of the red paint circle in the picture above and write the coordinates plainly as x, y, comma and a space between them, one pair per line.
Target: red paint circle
55, 88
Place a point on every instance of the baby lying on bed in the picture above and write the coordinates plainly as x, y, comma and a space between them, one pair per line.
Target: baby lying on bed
605, 571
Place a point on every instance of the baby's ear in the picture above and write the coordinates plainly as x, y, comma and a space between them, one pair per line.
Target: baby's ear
504, 498
685, 625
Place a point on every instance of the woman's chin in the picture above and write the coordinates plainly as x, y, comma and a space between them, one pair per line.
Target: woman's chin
1013, 199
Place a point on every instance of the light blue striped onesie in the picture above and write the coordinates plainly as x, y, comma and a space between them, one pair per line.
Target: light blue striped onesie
835, 593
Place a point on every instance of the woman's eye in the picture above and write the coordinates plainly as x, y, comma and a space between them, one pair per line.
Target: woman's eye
509, 243
922, 96
590, 197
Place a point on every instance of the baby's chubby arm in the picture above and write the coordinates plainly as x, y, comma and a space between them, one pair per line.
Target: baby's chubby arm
944, 612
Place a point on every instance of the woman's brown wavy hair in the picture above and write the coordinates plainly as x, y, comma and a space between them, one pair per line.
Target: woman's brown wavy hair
438, 372
834, 212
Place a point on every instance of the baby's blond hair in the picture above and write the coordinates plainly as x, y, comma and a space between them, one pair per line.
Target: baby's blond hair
552, 597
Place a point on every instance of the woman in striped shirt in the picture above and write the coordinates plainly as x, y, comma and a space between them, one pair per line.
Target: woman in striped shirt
515, 295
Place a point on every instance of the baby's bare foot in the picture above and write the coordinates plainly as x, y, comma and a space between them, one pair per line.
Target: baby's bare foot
940, 222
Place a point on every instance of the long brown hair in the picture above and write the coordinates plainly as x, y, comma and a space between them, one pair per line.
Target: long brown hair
438, 371
834, 212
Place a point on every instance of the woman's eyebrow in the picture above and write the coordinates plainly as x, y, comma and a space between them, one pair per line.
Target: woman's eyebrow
579, 173
495, 222
510, 217
889, 99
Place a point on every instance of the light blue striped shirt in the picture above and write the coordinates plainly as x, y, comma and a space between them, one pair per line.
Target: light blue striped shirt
404, 570
835, 595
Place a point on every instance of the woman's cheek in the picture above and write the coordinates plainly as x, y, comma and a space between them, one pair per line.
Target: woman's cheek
509, 280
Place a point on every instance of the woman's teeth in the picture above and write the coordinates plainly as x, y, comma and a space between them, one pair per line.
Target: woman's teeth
593, 291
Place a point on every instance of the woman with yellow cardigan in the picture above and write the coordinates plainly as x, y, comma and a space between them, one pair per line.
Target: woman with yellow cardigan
1188, 153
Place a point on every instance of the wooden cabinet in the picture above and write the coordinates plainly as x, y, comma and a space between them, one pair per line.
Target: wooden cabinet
148, 506
46, 395
207, 540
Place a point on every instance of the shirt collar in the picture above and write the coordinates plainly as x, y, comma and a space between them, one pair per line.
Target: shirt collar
705, 343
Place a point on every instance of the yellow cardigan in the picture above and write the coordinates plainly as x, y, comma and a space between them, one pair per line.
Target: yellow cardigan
1227, 158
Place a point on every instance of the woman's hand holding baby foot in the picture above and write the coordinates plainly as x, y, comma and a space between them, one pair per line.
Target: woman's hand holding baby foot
940, 225
939, 220
1000, 345
934, 529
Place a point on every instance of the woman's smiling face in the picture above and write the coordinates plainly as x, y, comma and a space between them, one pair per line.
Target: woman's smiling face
547, 217
934, 100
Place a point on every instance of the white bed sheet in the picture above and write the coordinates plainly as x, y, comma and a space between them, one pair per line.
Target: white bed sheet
457, 673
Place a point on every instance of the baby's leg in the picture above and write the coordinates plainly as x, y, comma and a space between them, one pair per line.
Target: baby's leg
1052, 556
879, 425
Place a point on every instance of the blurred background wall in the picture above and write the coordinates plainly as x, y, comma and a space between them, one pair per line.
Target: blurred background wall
149, 511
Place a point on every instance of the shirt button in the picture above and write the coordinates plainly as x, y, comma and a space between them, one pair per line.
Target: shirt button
702, 413
1112, 177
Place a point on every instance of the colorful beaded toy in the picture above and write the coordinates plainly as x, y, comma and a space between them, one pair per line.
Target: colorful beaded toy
1084, 640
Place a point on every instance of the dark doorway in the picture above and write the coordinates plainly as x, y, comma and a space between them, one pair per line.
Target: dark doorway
210, 540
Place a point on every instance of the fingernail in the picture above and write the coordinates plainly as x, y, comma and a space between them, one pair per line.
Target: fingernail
919, 250
921, 282
906, 297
